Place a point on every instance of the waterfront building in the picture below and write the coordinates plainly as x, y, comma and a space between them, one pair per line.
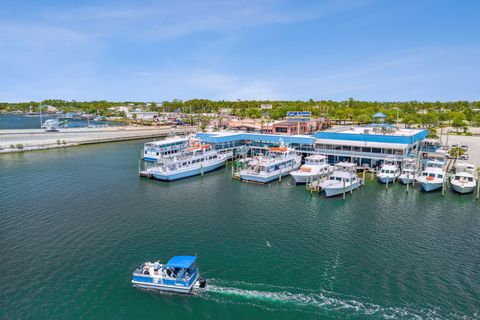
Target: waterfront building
366, 146
370, 145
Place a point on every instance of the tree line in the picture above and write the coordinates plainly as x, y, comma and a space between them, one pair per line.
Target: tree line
421, 113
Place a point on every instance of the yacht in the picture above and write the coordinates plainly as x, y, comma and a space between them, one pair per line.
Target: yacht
180, 274
190, 162
153, 151
389, 172
315, 166
278, 162
409, 171
51, 125
432, 176
464, 180
343, 179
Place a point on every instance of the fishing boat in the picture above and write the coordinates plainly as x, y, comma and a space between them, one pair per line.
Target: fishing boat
464, 180
315, 166
153, 151
192, 161
180, 274
51, 125
276, 163
389, 172
342, 179
409, 171
433, 176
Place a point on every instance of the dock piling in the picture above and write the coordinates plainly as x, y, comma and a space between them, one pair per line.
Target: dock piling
344, 189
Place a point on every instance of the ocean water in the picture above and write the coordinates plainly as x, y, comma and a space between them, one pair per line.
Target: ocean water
75, 222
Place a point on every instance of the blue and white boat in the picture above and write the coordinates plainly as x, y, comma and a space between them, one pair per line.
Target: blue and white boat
278, 162
190, 162
343, 179
180, 274
156, 150
433, 176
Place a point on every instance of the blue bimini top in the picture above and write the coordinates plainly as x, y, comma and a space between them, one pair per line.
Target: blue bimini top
183, 262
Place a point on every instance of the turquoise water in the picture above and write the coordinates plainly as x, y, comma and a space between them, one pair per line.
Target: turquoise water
75, 222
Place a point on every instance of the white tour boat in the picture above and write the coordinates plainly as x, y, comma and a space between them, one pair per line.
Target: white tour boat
278, 162
156, 150
464, 180
343, 179
433, 176
190, 162
315, 166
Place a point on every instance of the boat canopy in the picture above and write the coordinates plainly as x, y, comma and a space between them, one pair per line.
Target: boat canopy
183, 262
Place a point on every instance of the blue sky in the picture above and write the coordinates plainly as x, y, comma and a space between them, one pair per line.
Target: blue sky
263, 49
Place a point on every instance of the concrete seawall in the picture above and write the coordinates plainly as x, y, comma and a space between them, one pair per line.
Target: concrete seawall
37, 139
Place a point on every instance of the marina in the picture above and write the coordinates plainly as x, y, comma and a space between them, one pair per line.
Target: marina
364, 256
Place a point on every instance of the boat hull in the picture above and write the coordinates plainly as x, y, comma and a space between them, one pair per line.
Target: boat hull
168, 176
431, 186
406, 180
304, 178
335, 191
263, 179
385, 180
463, 189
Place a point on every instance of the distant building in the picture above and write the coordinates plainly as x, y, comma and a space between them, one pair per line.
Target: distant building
225, 111
142, 115
125, 109
265, 106
51, 109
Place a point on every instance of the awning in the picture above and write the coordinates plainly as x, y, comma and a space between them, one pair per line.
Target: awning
183, 262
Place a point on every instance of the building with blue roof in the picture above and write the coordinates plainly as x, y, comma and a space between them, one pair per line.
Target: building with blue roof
366, 146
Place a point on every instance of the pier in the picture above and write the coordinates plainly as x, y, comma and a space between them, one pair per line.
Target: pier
37, 139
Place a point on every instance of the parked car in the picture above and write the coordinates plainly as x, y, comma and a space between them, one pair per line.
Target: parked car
464, 157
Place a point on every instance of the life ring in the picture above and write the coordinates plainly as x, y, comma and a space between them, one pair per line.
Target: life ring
429, 178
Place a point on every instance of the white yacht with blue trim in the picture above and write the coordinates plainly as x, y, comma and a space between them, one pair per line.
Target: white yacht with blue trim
193, 161
156, 150
389, 172
343, 179
180, 274
433, 176
276, 163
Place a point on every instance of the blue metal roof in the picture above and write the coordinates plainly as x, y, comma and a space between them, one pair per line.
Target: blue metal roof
183, 262
373, 137
267, 138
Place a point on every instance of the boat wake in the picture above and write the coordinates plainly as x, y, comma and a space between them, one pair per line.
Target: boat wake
308, 301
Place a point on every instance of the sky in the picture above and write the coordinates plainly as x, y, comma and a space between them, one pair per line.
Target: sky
426, 50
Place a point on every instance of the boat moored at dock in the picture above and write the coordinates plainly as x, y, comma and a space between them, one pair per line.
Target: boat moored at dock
389, 172
343, 179
463, 180
192, 161
433, 176
156, 150
275, 164
315, 166
180, 274
409, 171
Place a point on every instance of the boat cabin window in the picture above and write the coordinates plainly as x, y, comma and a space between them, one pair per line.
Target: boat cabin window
470, 179
440, 176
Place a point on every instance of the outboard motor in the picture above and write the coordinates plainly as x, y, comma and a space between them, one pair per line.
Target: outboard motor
202, 283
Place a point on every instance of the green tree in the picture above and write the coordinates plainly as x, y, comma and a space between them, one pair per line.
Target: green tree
458, 121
